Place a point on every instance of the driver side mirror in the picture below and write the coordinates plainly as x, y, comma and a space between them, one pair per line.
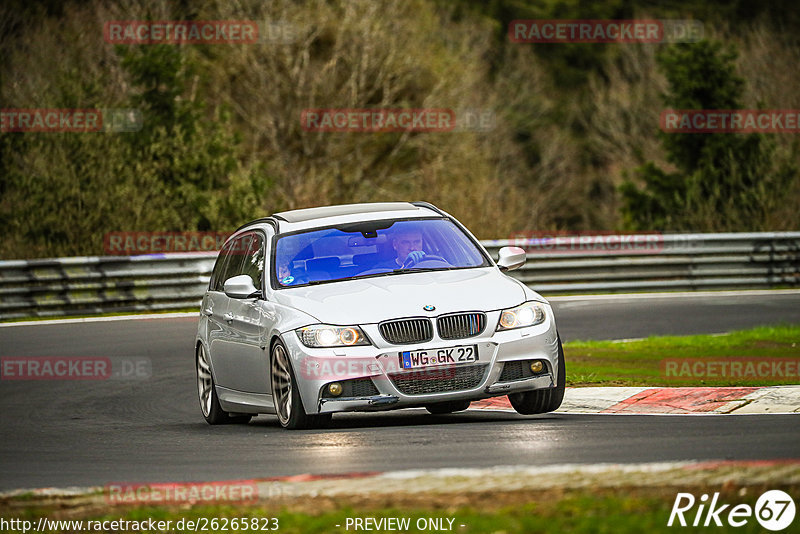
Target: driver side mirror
511, 258
240, 287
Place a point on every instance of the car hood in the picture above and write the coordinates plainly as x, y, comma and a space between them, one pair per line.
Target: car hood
372, 300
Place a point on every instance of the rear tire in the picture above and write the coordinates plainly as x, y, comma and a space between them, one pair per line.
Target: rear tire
543, 400
207, 393
286, 394
441, 408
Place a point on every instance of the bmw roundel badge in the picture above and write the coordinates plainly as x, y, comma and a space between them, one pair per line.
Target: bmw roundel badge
429, 307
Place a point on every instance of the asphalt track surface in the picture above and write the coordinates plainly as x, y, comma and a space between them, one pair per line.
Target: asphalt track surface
82, 433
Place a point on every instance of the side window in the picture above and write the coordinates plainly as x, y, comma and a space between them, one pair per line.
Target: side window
233, 264
253, 264
215, 283
244, 255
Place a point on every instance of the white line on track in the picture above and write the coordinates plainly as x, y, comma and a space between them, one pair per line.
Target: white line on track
176, 315
568, 298
680, 294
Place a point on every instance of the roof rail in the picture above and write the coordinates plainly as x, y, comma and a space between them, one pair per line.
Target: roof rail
423, 204
269, 220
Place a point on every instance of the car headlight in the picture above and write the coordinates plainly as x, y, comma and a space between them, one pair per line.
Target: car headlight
322, 335
529, 314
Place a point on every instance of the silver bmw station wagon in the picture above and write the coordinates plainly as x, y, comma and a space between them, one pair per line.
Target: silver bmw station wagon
369, 307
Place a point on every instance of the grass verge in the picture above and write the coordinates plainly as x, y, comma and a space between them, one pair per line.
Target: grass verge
619, 510
645, 362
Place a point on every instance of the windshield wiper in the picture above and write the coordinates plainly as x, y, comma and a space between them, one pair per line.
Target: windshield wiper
354, 277
385, 273
423, 270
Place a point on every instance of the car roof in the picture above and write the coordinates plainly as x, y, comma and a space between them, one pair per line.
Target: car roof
307, 218
324, 212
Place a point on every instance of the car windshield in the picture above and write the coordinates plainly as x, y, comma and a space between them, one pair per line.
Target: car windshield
372, 248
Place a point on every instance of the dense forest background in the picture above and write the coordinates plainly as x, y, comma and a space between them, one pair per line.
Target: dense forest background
575, 145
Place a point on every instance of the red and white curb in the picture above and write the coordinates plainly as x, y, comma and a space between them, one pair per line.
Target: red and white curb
670, 400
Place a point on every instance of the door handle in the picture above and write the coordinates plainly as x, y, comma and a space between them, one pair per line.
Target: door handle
206, 312
228, 317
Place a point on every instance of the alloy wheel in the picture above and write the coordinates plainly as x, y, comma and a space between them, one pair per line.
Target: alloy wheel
281, 383
205, 383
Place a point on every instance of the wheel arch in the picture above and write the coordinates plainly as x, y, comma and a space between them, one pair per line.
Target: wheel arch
274, 338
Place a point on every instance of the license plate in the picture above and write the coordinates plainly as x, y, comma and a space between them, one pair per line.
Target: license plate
412, 359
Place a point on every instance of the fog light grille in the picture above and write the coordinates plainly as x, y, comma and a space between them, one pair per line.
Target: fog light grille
519, 370
355, 387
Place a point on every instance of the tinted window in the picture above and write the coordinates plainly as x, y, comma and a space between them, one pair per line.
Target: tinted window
373, 248
217, 275
233, 264
253, 263
244, 255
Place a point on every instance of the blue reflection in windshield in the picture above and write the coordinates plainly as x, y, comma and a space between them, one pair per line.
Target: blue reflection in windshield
372, 249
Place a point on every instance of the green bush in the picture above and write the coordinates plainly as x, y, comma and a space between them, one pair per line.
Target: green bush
722, 182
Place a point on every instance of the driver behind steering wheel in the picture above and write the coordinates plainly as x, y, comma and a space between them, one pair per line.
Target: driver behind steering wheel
407, 245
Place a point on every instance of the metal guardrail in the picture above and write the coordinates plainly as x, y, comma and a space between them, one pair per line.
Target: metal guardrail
557, 264
672, 262
91, 285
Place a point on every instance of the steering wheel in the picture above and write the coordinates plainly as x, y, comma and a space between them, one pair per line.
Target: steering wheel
410, 261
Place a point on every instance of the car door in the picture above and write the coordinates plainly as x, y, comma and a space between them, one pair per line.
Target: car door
215, 304
244, 363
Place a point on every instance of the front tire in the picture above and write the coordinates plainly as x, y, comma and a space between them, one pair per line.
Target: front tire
286, 394
543, 400
441, 408
207, 393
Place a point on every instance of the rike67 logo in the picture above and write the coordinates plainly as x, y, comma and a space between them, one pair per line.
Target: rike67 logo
774, 510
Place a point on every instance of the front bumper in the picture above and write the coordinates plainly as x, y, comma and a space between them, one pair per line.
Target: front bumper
392, 387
